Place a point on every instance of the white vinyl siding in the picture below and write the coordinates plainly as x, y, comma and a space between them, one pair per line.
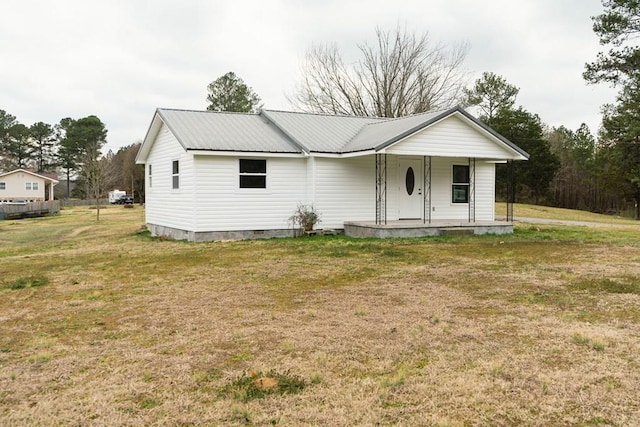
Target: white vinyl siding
164, 205
441, 191
223, 206
450, 137
345, 190
485, 185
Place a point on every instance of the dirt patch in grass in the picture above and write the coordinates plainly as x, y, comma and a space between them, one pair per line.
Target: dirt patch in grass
78, 230
257, 385
538, 328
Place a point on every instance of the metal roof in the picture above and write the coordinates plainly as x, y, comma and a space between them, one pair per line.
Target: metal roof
216, 131
297, 133
377, 134
320, 133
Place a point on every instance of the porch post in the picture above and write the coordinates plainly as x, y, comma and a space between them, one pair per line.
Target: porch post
381, 188
511, 190
426, 216
472, 189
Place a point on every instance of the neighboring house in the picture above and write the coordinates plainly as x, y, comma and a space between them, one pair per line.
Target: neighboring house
24, 186
213, 176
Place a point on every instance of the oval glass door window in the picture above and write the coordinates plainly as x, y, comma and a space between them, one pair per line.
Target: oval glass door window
410, 181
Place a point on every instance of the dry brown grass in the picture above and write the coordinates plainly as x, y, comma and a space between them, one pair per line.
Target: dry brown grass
539, 328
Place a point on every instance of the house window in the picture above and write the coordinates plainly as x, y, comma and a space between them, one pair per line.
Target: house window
460, 185
3, 185
175, 174
34, 186
150, 177
28, 185
253, 173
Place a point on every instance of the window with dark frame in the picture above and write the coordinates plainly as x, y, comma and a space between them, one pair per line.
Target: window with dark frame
34, 186
253, 173
175, 174
150, 177
460, 184
28, 185
3, 185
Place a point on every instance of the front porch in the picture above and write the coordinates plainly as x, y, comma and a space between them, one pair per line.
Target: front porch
418, 228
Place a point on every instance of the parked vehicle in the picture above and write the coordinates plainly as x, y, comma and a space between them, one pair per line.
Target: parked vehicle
115, 195
125, 200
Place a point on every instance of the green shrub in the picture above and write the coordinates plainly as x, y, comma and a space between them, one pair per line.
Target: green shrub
28, 282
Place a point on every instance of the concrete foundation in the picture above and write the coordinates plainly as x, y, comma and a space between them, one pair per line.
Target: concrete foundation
403, 229
393, 229
210, 236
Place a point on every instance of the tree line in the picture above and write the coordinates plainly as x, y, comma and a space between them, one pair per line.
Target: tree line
73, 147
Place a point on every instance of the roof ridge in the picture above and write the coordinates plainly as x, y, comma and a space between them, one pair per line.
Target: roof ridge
358, 133
306, 113
391, 119
311, 113
188, 110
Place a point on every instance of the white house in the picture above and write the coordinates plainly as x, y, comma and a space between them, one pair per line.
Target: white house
213, 176
21, 185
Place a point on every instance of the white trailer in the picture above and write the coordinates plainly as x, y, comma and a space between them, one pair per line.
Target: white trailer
115, 195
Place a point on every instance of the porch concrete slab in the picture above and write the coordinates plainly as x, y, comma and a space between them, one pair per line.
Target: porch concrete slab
409, 228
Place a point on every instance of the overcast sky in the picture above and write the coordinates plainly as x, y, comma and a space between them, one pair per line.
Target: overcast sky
122, 59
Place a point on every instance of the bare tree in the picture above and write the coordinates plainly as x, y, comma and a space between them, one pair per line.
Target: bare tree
132, 174
97, 174
401, 74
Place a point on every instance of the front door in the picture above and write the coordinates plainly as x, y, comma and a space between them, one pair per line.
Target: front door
410, 179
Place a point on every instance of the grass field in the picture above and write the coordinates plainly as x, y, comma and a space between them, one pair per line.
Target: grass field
535, 211
101, 324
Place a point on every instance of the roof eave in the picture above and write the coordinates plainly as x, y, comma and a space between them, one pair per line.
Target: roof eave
150, 136
522, 154
345, 154
46, 178
236, 153
156, 123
